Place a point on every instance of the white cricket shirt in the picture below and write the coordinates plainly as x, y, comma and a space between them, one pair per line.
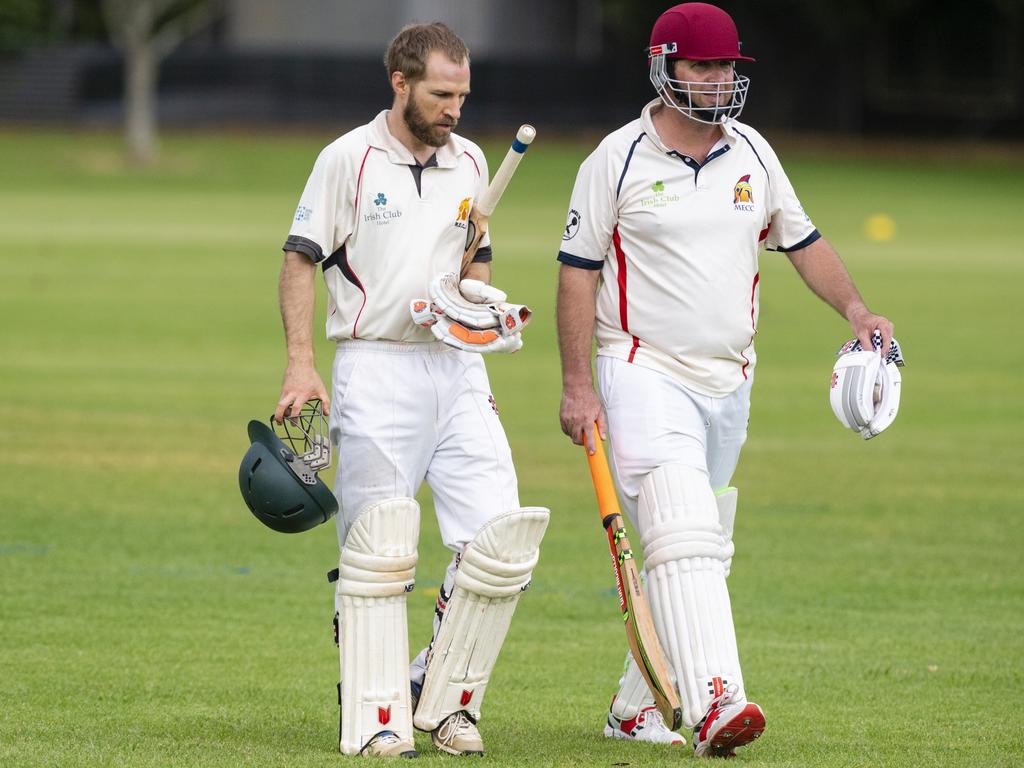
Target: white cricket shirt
383, 228
678, 244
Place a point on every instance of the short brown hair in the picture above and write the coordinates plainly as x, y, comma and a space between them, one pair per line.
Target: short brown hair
408, 52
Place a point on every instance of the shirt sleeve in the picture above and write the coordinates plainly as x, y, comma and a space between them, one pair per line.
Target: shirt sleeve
318, 228
592, 215
789, 228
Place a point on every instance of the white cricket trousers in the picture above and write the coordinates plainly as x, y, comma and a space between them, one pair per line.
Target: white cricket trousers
405, 413
654, 420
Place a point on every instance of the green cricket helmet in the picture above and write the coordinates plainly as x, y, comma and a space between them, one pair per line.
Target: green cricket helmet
278, 475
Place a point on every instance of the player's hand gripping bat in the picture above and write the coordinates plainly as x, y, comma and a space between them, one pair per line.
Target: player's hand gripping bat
488, 201
640, 634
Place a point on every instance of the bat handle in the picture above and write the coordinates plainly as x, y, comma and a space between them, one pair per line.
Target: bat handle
526, 134
607, 501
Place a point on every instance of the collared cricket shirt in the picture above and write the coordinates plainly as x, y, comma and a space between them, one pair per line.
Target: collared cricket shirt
678, 244
382, 227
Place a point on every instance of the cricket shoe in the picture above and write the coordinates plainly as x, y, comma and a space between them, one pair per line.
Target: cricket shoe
388, 744
728, 724
648, 726
457, 735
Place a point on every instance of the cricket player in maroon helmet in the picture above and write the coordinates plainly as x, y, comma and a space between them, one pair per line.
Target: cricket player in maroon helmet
659, 263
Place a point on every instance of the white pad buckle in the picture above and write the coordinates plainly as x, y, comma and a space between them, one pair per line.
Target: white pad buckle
494, 570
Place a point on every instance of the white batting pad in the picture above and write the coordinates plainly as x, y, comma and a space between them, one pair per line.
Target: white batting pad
684, 555
376, 572
726, 499
494, 570
634, 694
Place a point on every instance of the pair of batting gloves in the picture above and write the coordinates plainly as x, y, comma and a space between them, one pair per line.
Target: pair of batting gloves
471, 315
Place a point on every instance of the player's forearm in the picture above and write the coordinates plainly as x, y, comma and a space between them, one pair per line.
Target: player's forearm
577, 308
825, 274
297, 298
479, 270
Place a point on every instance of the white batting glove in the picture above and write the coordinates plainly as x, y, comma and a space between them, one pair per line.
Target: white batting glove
480, 292
487, 340
474, 296
471, 315
476, 304
446, 296
865, 388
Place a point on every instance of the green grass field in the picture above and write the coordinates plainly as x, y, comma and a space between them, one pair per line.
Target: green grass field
147, 620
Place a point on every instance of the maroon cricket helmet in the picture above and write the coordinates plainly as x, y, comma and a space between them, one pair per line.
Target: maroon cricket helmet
696, 31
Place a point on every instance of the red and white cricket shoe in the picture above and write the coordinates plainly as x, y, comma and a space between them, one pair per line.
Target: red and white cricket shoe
647, 726
727, 725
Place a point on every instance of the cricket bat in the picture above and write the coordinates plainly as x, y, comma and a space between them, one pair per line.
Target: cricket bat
484, 207
640, 633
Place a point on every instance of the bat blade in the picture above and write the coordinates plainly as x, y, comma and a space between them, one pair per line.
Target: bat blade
636, 615
484, 207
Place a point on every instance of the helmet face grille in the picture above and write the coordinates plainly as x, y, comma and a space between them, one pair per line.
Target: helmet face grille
729, 96
307, 435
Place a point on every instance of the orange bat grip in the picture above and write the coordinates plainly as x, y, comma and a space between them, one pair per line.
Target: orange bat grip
607, 501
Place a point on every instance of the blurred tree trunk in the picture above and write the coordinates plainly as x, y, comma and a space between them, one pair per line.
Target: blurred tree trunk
146, 31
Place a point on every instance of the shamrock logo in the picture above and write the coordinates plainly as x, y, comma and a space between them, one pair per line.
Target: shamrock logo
658, 187
380, 200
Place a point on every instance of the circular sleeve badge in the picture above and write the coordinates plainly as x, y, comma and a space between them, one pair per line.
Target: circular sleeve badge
572, 224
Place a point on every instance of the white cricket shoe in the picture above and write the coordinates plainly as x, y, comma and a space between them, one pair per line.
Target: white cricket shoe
728, 724
647, 726
388, 744
457, 735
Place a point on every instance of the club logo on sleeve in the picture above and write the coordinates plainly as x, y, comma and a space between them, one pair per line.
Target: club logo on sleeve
572, 224
743, 194
463, 214
303, 213
381, 214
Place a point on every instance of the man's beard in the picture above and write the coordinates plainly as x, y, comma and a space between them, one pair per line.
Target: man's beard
419, 127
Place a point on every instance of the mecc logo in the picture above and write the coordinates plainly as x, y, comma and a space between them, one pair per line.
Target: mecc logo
463, 213
743, 195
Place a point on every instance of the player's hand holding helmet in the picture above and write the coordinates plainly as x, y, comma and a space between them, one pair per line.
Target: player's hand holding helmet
865, 388
278, 475
471, 315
